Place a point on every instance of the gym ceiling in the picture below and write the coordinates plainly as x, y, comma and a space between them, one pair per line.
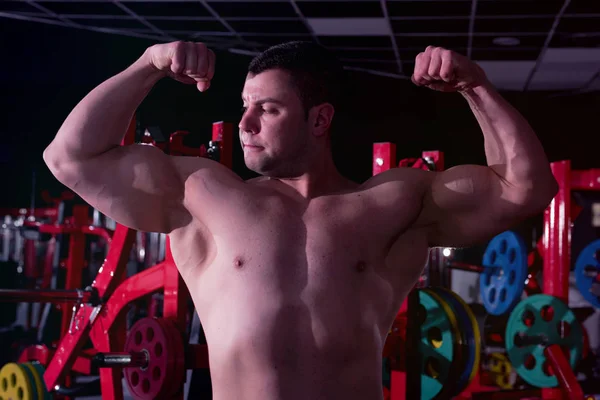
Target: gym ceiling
523, 45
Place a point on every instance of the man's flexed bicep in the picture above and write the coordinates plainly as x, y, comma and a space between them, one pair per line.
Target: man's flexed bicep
138, 186
469, 204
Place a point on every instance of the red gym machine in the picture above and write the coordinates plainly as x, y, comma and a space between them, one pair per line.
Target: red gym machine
99, 310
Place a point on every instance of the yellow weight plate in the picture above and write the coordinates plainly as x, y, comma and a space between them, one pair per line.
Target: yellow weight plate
15, 383
501, 370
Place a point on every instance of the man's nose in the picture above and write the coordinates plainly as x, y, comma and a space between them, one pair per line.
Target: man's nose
249, 123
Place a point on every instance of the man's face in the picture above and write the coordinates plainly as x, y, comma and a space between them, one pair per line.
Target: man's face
274, 133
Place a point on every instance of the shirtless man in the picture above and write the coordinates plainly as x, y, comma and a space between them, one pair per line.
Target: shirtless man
297, 275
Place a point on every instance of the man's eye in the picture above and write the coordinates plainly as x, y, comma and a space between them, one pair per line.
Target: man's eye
244, 109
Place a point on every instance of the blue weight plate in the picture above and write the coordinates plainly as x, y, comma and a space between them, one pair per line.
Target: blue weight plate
503, 280
587, 268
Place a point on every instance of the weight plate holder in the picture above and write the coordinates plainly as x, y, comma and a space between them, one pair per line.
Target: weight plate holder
546, 317
164, 375
502, 282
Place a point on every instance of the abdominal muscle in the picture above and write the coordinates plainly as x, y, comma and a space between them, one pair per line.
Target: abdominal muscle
266, 349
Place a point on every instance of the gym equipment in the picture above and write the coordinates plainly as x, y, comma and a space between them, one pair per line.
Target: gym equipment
439, 344
587, 273
507, 271
501, 370
535, 324
98, 315
164, 372
470, 336
503, 280
23, 381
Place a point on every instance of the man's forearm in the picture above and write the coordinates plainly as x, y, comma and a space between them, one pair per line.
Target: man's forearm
99, 122
511, 146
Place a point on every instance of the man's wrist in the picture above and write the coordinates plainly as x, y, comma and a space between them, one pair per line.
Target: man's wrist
145, 66
484, 89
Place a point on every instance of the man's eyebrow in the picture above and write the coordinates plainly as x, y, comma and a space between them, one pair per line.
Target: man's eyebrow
266, 100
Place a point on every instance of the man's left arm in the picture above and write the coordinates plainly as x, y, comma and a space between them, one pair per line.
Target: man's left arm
470, 203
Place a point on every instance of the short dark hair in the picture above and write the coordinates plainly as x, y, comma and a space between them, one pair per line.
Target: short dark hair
317, 74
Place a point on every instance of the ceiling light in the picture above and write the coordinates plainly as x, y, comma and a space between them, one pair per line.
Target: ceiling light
506, 41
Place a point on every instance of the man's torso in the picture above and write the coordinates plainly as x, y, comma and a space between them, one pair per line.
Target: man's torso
295, 296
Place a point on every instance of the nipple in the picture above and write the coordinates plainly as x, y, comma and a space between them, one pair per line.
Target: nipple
361, 266
238, 262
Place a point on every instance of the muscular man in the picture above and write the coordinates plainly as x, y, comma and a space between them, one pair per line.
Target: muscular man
297, 275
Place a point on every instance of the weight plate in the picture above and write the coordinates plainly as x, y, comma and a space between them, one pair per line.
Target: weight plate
438, 347
160, 377
544, 315
587, 269
16, 383
178, 351
471, 337
36, 386
38, 371
503, 280
501, 371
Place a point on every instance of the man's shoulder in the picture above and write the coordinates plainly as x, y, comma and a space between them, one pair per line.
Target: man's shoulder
400, 176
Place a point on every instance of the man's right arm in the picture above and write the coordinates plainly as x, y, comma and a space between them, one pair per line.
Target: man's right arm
136, 185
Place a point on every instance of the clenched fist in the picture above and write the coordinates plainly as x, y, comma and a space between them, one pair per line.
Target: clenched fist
446, 71
186, 62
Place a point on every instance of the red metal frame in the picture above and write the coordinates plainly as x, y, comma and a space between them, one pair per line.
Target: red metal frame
555, 247
105, 324
557, 261
384, 158
556, 251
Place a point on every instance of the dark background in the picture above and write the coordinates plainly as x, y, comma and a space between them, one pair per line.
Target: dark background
46, 70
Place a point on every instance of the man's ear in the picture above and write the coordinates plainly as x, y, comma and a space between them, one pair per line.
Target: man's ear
322, 115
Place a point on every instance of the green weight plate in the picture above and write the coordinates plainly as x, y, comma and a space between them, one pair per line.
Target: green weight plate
36, 385
437, 344
471, 346
39, 370
542, 315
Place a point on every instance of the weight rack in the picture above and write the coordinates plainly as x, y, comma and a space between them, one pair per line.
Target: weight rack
555, 249
98, 313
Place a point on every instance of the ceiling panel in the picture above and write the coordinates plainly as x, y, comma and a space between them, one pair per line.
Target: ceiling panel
583, 7
429, 8
212, 26
421, 42
519, 7
164, 8
490, 54
590, 25
329, 9
17, 6
254, 9
295, 26
561, 39
112, 23
356, 41
513, 24
505, 36
522, 41
431, 25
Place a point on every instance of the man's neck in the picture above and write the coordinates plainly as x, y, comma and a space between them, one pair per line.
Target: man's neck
321, 179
